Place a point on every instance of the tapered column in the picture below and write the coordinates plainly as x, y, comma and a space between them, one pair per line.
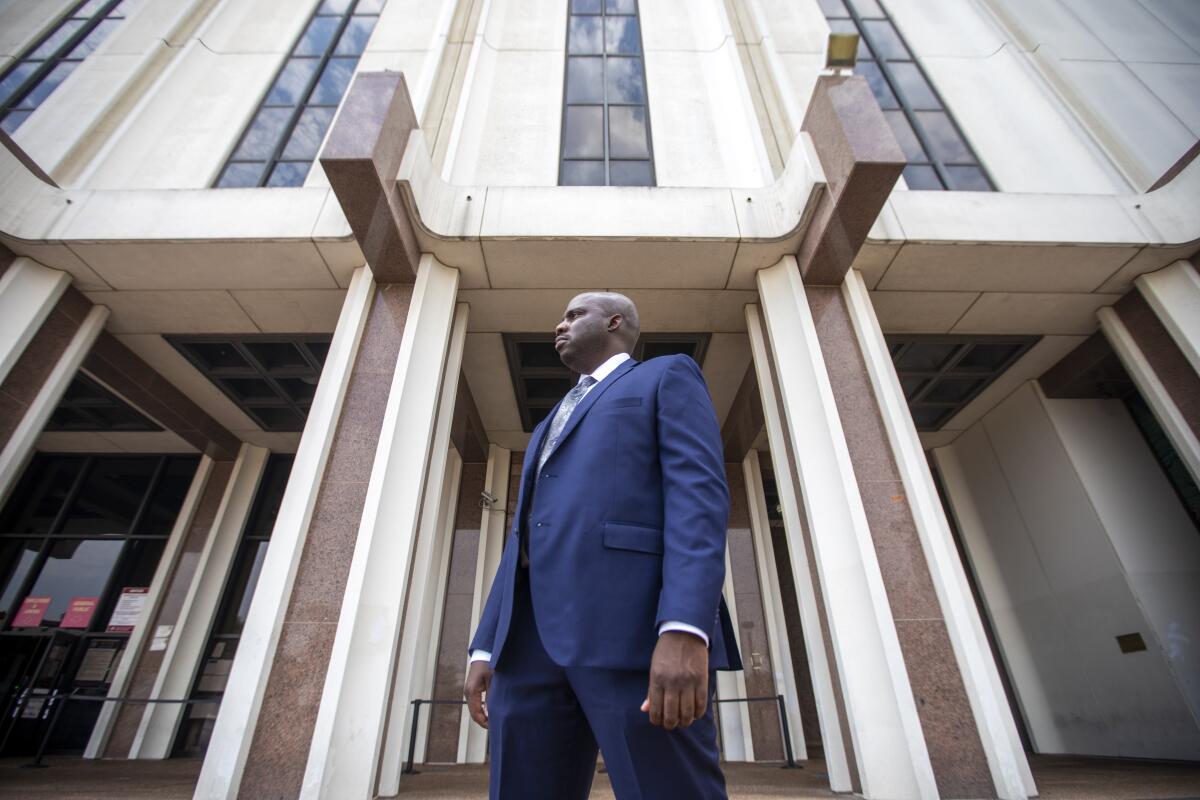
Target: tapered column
776, 622
951, 700
433, 532
1155, 333
28, 293
885, 727
40, 372
319, 512
472, 741
736, 736
831, 706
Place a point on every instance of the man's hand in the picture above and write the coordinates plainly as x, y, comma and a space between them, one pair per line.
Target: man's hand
479, 678
678, 693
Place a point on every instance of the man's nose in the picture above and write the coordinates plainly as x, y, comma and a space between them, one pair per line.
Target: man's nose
561, 327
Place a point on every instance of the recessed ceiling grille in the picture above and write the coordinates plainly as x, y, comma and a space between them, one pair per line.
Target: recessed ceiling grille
540, 379
88, 406
941, 374
271, 378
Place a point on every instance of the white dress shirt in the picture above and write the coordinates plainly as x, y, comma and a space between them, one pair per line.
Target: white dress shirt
600, 373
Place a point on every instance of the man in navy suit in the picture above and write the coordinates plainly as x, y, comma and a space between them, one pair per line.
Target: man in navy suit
605, 618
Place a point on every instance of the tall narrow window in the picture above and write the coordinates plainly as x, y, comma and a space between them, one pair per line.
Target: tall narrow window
281, 142
606, 124
37, 73
938, 154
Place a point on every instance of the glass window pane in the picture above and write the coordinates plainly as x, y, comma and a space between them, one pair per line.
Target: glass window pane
75, 568
276, 355
625, 81
879, 85
926, 356
90, 42
251, 390
308, 134
40, 495
354, 38
969, 179
317, 36
13, 119
333, 82
582, 173
263, 135
583, 132
14, 79
868, 8
57, 39
16, 557
833, 8
585, 6
621, 35
620, 7
943, 137
369, 6
338, 7
627, 132
886, 40
922, 176
111, 495
289, 173
118, 11
292, 84
269, 497
167, 498
278, 418
913, 87
48, 84
630, 173
585, 80
584, 36
318, 350
240, 591
953, 390
299, 390
930, 418
217, 355
239, 175
987, 357
905, 136
848, 26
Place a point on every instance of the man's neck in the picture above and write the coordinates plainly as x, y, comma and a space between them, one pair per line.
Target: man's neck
597, 361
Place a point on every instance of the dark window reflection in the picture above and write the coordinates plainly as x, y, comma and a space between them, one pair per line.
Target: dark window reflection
16, 559
583, 132
75, 568
111, 495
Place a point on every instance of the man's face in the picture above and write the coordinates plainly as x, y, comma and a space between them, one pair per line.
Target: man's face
583, 334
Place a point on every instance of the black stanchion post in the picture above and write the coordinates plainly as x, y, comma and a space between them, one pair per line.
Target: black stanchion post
409, 768
787, 737
58, 707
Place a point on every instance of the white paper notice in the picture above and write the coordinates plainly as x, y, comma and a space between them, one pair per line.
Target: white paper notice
162, 637
129, 609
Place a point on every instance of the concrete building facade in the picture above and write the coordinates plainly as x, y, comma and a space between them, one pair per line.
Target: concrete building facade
278, 286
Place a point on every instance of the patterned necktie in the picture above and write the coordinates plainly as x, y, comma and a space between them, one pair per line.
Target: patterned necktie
560, 419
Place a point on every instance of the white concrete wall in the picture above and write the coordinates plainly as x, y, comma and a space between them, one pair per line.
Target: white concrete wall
1069, 527
190, 119
702, 121
1128, 70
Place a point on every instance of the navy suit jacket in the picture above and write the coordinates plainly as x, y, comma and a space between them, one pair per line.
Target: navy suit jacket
626, 529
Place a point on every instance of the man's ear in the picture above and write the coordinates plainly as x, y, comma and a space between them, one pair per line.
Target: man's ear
614, 322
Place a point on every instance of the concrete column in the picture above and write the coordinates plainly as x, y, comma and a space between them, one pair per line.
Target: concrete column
445, 721
885, 727
736, 735
116, 726
28, 293
1174, 294
1154, 333
776, 623
39, 375
347, 736
156, 731
472, 740
960, 622
822, 662
433, 531
347, 407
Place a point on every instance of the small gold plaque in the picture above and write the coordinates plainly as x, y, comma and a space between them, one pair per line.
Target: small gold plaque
1131, 642
842, 50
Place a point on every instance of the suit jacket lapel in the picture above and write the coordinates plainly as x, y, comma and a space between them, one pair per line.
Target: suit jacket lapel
590, 399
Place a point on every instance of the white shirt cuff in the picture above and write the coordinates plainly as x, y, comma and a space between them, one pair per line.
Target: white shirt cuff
480, 655
672, 625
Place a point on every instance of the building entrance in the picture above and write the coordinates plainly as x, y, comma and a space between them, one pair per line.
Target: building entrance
80, 540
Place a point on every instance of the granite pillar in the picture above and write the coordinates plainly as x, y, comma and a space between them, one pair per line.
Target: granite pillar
955, 751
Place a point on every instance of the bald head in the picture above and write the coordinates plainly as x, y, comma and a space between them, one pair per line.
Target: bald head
595, 327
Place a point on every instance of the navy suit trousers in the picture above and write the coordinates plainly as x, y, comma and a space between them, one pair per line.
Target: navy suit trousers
546, 723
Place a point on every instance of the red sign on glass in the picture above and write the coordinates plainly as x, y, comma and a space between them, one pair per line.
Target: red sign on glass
30, 614
79, 612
